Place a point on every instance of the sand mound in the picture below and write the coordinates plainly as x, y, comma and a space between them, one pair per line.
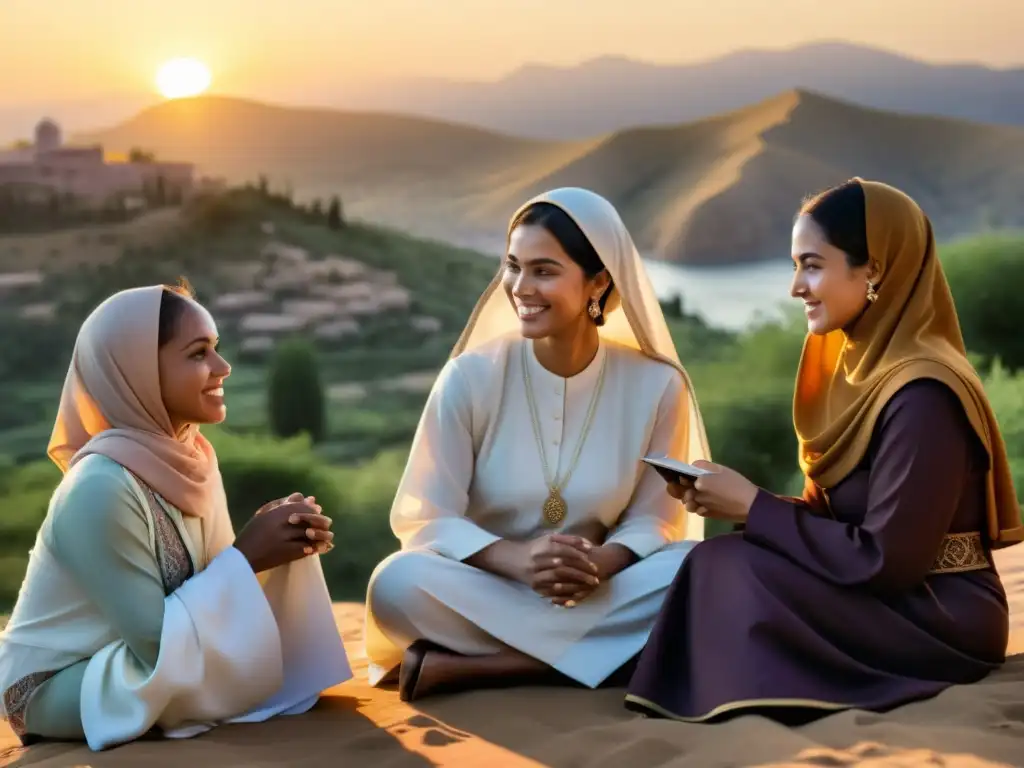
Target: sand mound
978, 726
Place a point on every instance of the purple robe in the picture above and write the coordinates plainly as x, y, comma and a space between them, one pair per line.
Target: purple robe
827, 603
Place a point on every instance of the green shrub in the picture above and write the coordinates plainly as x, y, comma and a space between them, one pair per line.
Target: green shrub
25, 492
357, 498
257, 469
985, 276
745, 391
746, 397
1006, 393
362, 530
295, 395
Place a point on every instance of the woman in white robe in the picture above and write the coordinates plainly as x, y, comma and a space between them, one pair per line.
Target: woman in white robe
140, 610
535, 544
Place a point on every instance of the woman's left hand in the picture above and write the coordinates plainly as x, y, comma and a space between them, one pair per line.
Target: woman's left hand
295, 497
723, 495
609, 559
322, 539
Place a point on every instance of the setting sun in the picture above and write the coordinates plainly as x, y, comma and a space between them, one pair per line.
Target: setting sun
182, 78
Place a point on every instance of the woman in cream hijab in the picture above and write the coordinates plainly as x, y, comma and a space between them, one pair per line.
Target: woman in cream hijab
877, 587
535, 545
140, 609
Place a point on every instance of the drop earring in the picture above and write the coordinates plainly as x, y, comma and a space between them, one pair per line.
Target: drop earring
872, 293
594, 309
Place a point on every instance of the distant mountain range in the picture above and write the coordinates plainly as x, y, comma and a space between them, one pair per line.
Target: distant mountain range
714, 191
614, 93
611, 94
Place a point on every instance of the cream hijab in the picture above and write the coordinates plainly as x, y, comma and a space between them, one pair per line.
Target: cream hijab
111, 405
640, 324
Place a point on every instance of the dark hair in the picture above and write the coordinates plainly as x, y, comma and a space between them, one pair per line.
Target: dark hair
842, 213
577, 246
173, 303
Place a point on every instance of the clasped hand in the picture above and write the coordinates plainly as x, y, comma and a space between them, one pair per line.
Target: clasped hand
724, 494
313, 519
284, 530
566, 569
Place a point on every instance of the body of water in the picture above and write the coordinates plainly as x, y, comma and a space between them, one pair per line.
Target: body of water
728, 297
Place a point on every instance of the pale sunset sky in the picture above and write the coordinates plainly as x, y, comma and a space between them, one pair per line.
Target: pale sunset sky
308, 50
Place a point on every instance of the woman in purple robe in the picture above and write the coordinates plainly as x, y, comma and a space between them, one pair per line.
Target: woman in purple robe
877, 587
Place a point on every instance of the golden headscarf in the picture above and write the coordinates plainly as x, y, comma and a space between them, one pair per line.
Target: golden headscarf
911, 332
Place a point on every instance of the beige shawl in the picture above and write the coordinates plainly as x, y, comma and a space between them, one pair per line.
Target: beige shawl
111, 405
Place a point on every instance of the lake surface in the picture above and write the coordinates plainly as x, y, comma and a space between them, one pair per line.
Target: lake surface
728, 297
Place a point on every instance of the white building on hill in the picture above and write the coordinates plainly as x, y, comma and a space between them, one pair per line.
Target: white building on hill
50, 166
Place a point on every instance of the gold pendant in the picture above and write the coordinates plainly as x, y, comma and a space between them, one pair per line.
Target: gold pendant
554, 508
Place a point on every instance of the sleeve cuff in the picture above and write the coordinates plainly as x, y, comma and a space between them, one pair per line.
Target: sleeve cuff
642, 543
459, 539
766, 514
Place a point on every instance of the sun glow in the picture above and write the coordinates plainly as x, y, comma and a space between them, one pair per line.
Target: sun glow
181, 78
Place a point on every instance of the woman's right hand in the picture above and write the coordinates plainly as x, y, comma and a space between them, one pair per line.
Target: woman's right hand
289, 531
678, 487
556, 559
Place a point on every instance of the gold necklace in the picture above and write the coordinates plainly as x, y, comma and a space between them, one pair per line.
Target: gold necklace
554, 508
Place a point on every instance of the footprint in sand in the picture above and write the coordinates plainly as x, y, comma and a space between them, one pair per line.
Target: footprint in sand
435, 733
874, 755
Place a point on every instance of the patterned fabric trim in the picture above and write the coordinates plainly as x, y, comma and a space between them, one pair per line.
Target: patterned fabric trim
16, 699
961, 552
172, 555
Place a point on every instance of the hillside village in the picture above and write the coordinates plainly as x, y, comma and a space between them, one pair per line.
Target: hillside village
380, 309
286, 291
283, 290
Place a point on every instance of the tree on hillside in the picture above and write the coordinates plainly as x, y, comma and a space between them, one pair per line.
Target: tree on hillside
317, 208
160, 192
295, 394
335, 216
673, 307
136, 155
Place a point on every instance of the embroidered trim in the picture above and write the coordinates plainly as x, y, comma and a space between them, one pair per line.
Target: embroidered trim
16, 699
961, 552
171, 553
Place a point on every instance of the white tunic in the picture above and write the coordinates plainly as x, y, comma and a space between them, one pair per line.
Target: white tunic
475, 476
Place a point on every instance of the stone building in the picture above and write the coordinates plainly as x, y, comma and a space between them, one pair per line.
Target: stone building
49, 166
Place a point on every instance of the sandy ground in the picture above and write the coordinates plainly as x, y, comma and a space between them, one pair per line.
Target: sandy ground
966, 727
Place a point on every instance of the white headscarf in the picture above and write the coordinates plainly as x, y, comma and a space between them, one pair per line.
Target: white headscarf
633, 314
640, 323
